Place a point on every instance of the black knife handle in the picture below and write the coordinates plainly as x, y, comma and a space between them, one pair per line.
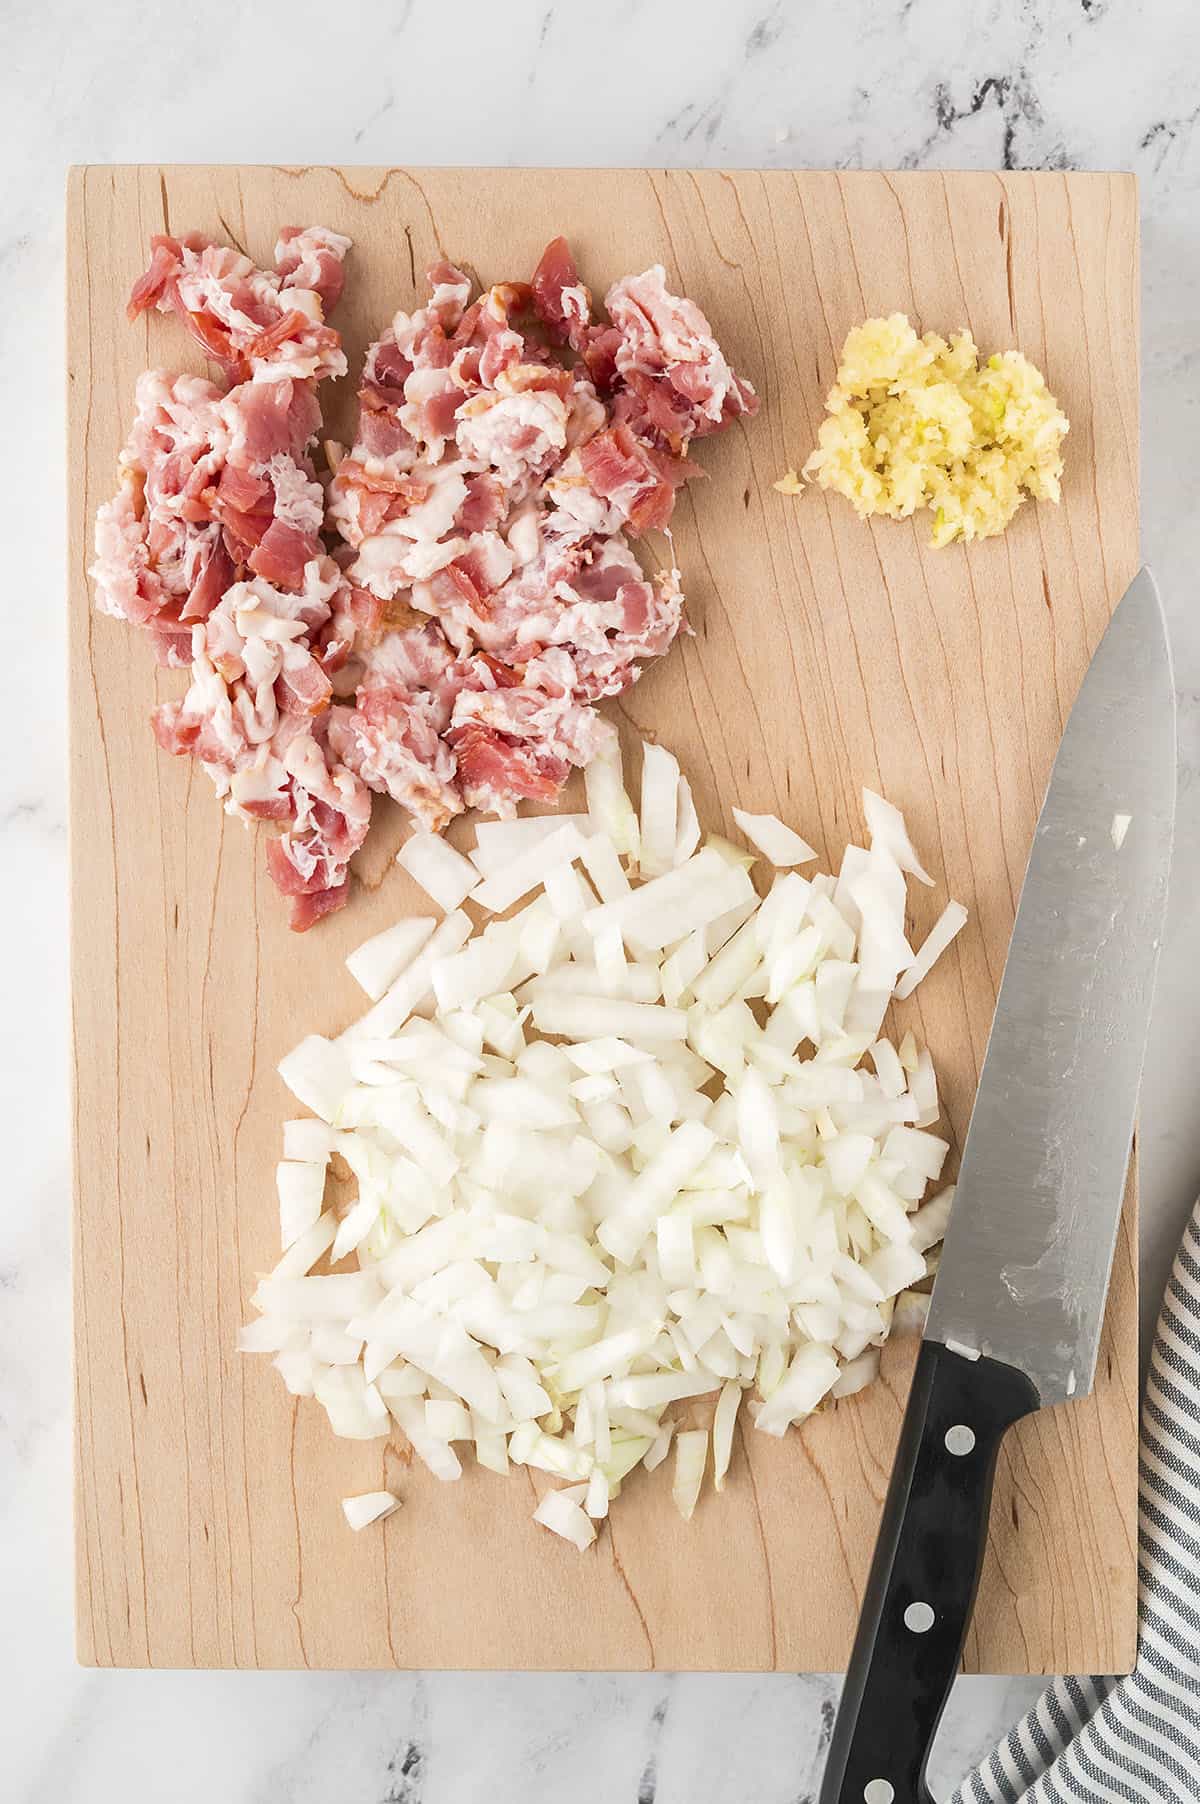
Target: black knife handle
923, 1577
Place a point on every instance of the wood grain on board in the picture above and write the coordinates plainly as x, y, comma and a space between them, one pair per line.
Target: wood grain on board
828, 654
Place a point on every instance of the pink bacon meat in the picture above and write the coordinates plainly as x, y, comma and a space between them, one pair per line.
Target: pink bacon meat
485, 594
488, 498
213, 545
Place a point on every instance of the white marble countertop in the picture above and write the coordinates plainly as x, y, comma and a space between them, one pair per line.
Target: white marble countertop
1039, 83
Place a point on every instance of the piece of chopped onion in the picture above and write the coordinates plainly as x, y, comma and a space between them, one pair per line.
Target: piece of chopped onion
413, 989
317, 1073
687, 827
442, 873
659, 810
813, 1372
602, 863
528, 870
370, 1506
497, 843
857, 1373
307, 1141
691, 1457
608, 804
378, 962
931, 1220
778, 842
598, 1017
951, 921
655, 1188
562, 1515
722, 1432
301, 1190
598, 1495
889, 834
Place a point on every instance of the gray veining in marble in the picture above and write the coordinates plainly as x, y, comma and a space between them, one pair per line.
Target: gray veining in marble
860, 83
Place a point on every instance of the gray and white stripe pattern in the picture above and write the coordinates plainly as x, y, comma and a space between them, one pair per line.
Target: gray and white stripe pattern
1137, 1739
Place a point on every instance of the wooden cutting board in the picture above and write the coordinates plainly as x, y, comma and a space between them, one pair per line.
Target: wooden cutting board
828, 654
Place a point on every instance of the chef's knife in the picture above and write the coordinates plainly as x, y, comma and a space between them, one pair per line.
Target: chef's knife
1018, 1302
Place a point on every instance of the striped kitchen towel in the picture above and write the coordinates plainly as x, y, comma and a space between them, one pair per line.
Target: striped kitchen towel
1137, 1739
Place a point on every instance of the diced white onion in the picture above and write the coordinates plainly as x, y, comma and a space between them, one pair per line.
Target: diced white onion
529, 869
723, 1424
413, 989
659, 810
691, 1456
308, 1141
608, 805
642, 1142
774, 838
378, 962
563, 1516
497, 843
441, 872
931, 1220
318, 1074
951, 921
301, 1190
885, 824
371, 1506
857, 1373
687, 825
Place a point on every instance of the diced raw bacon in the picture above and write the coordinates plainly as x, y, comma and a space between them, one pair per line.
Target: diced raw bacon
518, 435
499, 357
639, 480
174, 732
392, 740
385, 372
495, 773
450, 290
249, 319
213, 544
382, 436
166, 257
415, 658
282, 553
313, 906
356, 615
486, 564
333, 809
302, 687
239, 491
668, 345
484, 597
541, 708
312, 257
437, 411
409, 489
266, 418
485, 504
126, 585
598, 348
171, 643
330, 814
212, 575
559, 297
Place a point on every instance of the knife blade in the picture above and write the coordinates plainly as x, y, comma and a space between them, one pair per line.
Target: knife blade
1018, 1303
1024, 1270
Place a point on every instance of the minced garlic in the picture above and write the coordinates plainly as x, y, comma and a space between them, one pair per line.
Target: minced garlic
915, 422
